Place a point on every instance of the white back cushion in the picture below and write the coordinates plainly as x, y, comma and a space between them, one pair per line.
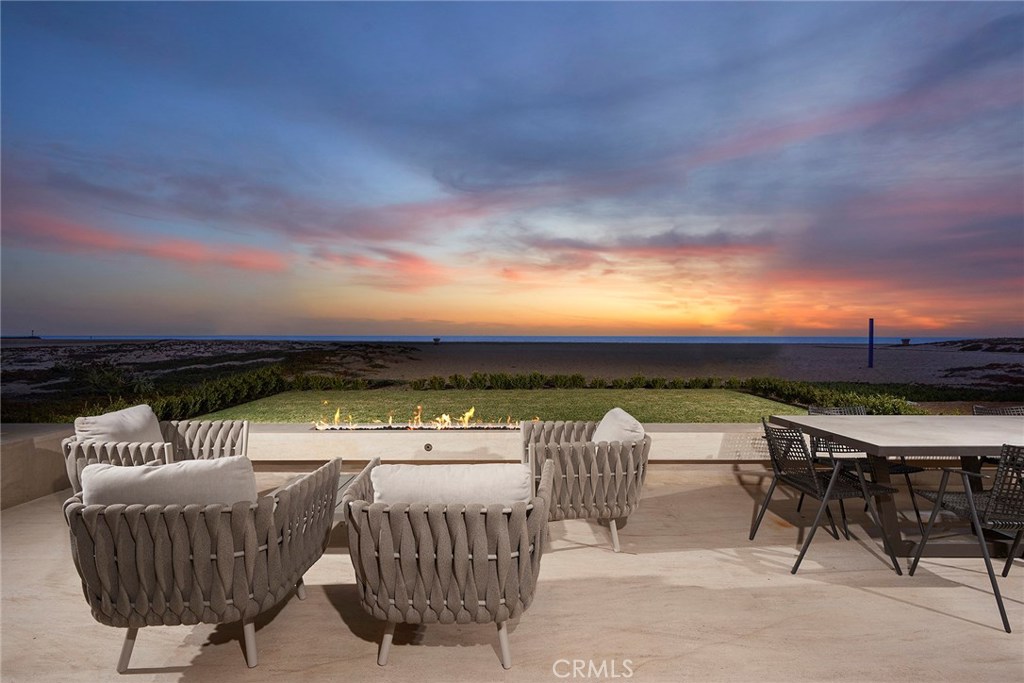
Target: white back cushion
618, 425
220, 480
137, 423
451, 484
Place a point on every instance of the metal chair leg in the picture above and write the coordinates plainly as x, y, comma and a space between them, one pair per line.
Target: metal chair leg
800, 503
300, 590
385, 643
831, 523
126, 649
817, 518
846, 528
764, 506
506, 651
931, 521
1013, 552
984, 552
615, 536
249, 635
913, 501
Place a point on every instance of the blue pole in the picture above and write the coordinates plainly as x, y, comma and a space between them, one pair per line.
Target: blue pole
871, 342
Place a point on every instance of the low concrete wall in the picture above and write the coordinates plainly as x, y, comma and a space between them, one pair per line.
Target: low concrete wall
669, 443
31, 462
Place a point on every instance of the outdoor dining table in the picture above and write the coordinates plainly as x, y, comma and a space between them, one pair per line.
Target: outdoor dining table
921, 437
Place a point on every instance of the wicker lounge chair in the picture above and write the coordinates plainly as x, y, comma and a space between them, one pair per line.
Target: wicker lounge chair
600, 481
1001, 508
793, 466
152, 565
445, 563
183, 440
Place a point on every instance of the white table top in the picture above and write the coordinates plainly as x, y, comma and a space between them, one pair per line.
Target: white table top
914, 436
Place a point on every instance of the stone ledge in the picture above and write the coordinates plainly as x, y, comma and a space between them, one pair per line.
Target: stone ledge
32, 465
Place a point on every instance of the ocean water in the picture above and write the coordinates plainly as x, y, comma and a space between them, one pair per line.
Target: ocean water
527, 339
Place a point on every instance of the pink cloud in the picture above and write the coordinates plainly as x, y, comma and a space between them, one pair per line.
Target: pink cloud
391, 269
954, 102
50, 233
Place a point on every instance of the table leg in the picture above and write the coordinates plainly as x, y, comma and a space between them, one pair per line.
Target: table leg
887, 508
972, 464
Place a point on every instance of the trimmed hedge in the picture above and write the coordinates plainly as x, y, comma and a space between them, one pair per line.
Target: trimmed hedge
883, 401
225, 392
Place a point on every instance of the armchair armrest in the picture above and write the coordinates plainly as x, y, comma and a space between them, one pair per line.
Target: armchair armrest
956, 470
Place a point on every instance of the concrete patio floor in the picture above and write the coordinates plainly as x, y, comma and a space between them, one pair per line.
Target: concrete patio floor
688, 599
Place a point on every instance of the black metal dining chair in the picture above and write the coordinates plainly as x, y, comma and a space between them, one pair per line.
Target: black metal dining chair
822, 445
1000, 508
998, 410
793, 466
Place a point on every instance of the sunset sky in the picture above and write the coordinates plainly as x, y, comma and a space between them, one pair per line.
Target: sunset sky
512, 168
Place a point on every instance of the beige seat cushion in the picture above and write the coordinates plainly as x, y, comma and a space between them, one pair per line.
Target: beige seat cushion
451, 484
219, 480
135, 424
618, 425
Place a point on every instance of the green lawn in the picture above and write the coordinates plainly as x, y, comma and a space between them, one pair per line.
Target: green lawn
647, 405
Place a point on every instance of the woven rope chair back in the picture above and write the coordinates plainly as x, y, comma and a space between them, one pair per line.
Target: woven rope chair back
1001, 410
789, 454
1006, 498
594, 480
555, 431
822, 445
205, 439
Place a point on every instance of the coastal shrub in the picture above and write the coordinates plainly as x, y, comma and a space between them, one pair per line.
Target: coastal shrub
658, 383
576, 381
702, 383
598, 383
500, 380
314, 383
458, 382
437, 383
637, 382
103, 378
677, 383
478, 381
418, 384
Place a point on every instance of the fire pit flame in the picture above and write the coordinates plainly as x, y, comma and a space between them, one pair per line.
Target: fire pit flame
445, 421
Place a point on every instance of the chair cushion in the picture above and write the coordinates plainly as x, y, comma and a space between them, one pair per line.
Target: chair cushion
618, 425
135, 424
224, 480
451, 484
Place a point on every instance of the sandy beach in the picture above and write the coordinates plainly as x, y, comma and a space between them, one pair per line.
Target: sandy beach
949, 363
901, 364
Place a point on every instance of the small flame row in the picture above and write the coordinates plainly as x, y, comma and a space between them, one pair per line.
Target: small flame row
445, 421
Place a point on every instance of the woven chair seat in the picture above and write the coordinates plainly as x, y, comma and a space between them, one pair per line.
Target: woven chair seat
847, 485
956, 502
